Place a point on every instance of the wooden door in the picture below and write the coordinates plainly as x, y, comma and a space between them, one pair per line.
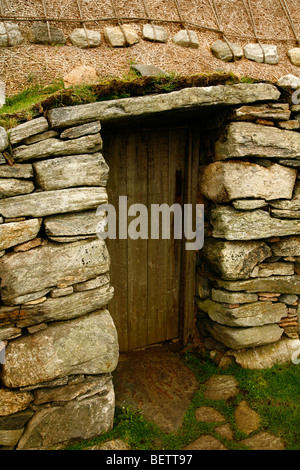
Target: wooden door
148, 166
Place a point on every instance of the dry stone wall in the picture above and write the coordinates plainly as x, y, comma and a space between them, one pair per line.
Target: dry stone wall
60, 341
251, 255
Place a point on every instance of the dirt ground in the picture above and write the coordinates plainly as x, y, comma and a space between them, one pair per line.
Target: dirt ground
29, 63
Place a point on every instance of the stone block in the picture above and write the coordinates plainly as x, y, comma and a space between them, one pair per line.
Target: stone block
50, 264
16, 171
10, 34
121, 37
68, 225
293, 204
10, 187
265, 53
225, 52
72, 171
245, 139
282, 284
270, 111
79, 131
60, 201
84, 38
82, 75
155, 33
86, 345
294, 56
232, 297
28, 129
39, 34
224, 181
15, 233
287, 246
290, 81
186, 38
3, 139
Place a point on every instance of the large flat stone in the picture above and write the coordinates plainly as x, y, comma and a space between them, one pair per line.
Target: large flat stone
72, 171
232, 224
276, 284
50, 265
82, 37
86, 345
44, 203
234, 259
53, 427
266, 53
253, 314
269, 111
16, 171
245, 139
65, 308
68, 225
183, 100
55, 148
15, 233
239, 338
224, 181
28, 129
121, 37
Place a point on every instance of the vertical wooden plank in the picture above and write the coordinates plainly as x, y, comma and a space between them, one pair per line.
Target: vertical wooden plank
137, 249
115, 150
178, 153
189, 257
158, 250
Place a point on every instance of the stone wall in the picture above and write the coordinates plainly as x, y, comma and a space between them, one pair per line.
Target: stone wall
60, 340
248, 279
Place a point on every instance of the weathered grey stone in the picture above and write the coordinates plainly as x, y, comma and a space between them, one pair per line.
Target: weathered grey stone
79, 131
285, 214
294, 56
290, 81
147, 70
249, 204
13, 401
292, 125
28, 129
282, 284
224, 181
78, 223
39, 34
235, 260
10, 333
186, 38
228, 53
10, 187
10, 34
183, 100
245, 139
39, 137
55, 147
266, 356
202, 286
266, 53
293, 204
16, 420
18, 232
239, 338
252, 314
86, 388
67, 307
247, 420
275, 269
269, 111
232, 297
78, 420
72, 171
155, 33
16, 171
289, 246
86, 345
249, 225
28, 245
2, 159
120, 37
3, 139
92, 283
56, 293
51, 264
44, 203
288, 299
32, 296
84, 38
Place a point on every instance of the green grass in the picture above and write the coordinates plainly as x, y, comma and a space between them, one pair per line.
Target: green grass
273, 393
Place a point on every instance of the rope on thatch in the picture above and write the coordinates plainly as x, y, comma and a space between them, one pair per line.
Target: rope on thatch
286, 10
249, 12
83, 22
214, 8
47, 22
